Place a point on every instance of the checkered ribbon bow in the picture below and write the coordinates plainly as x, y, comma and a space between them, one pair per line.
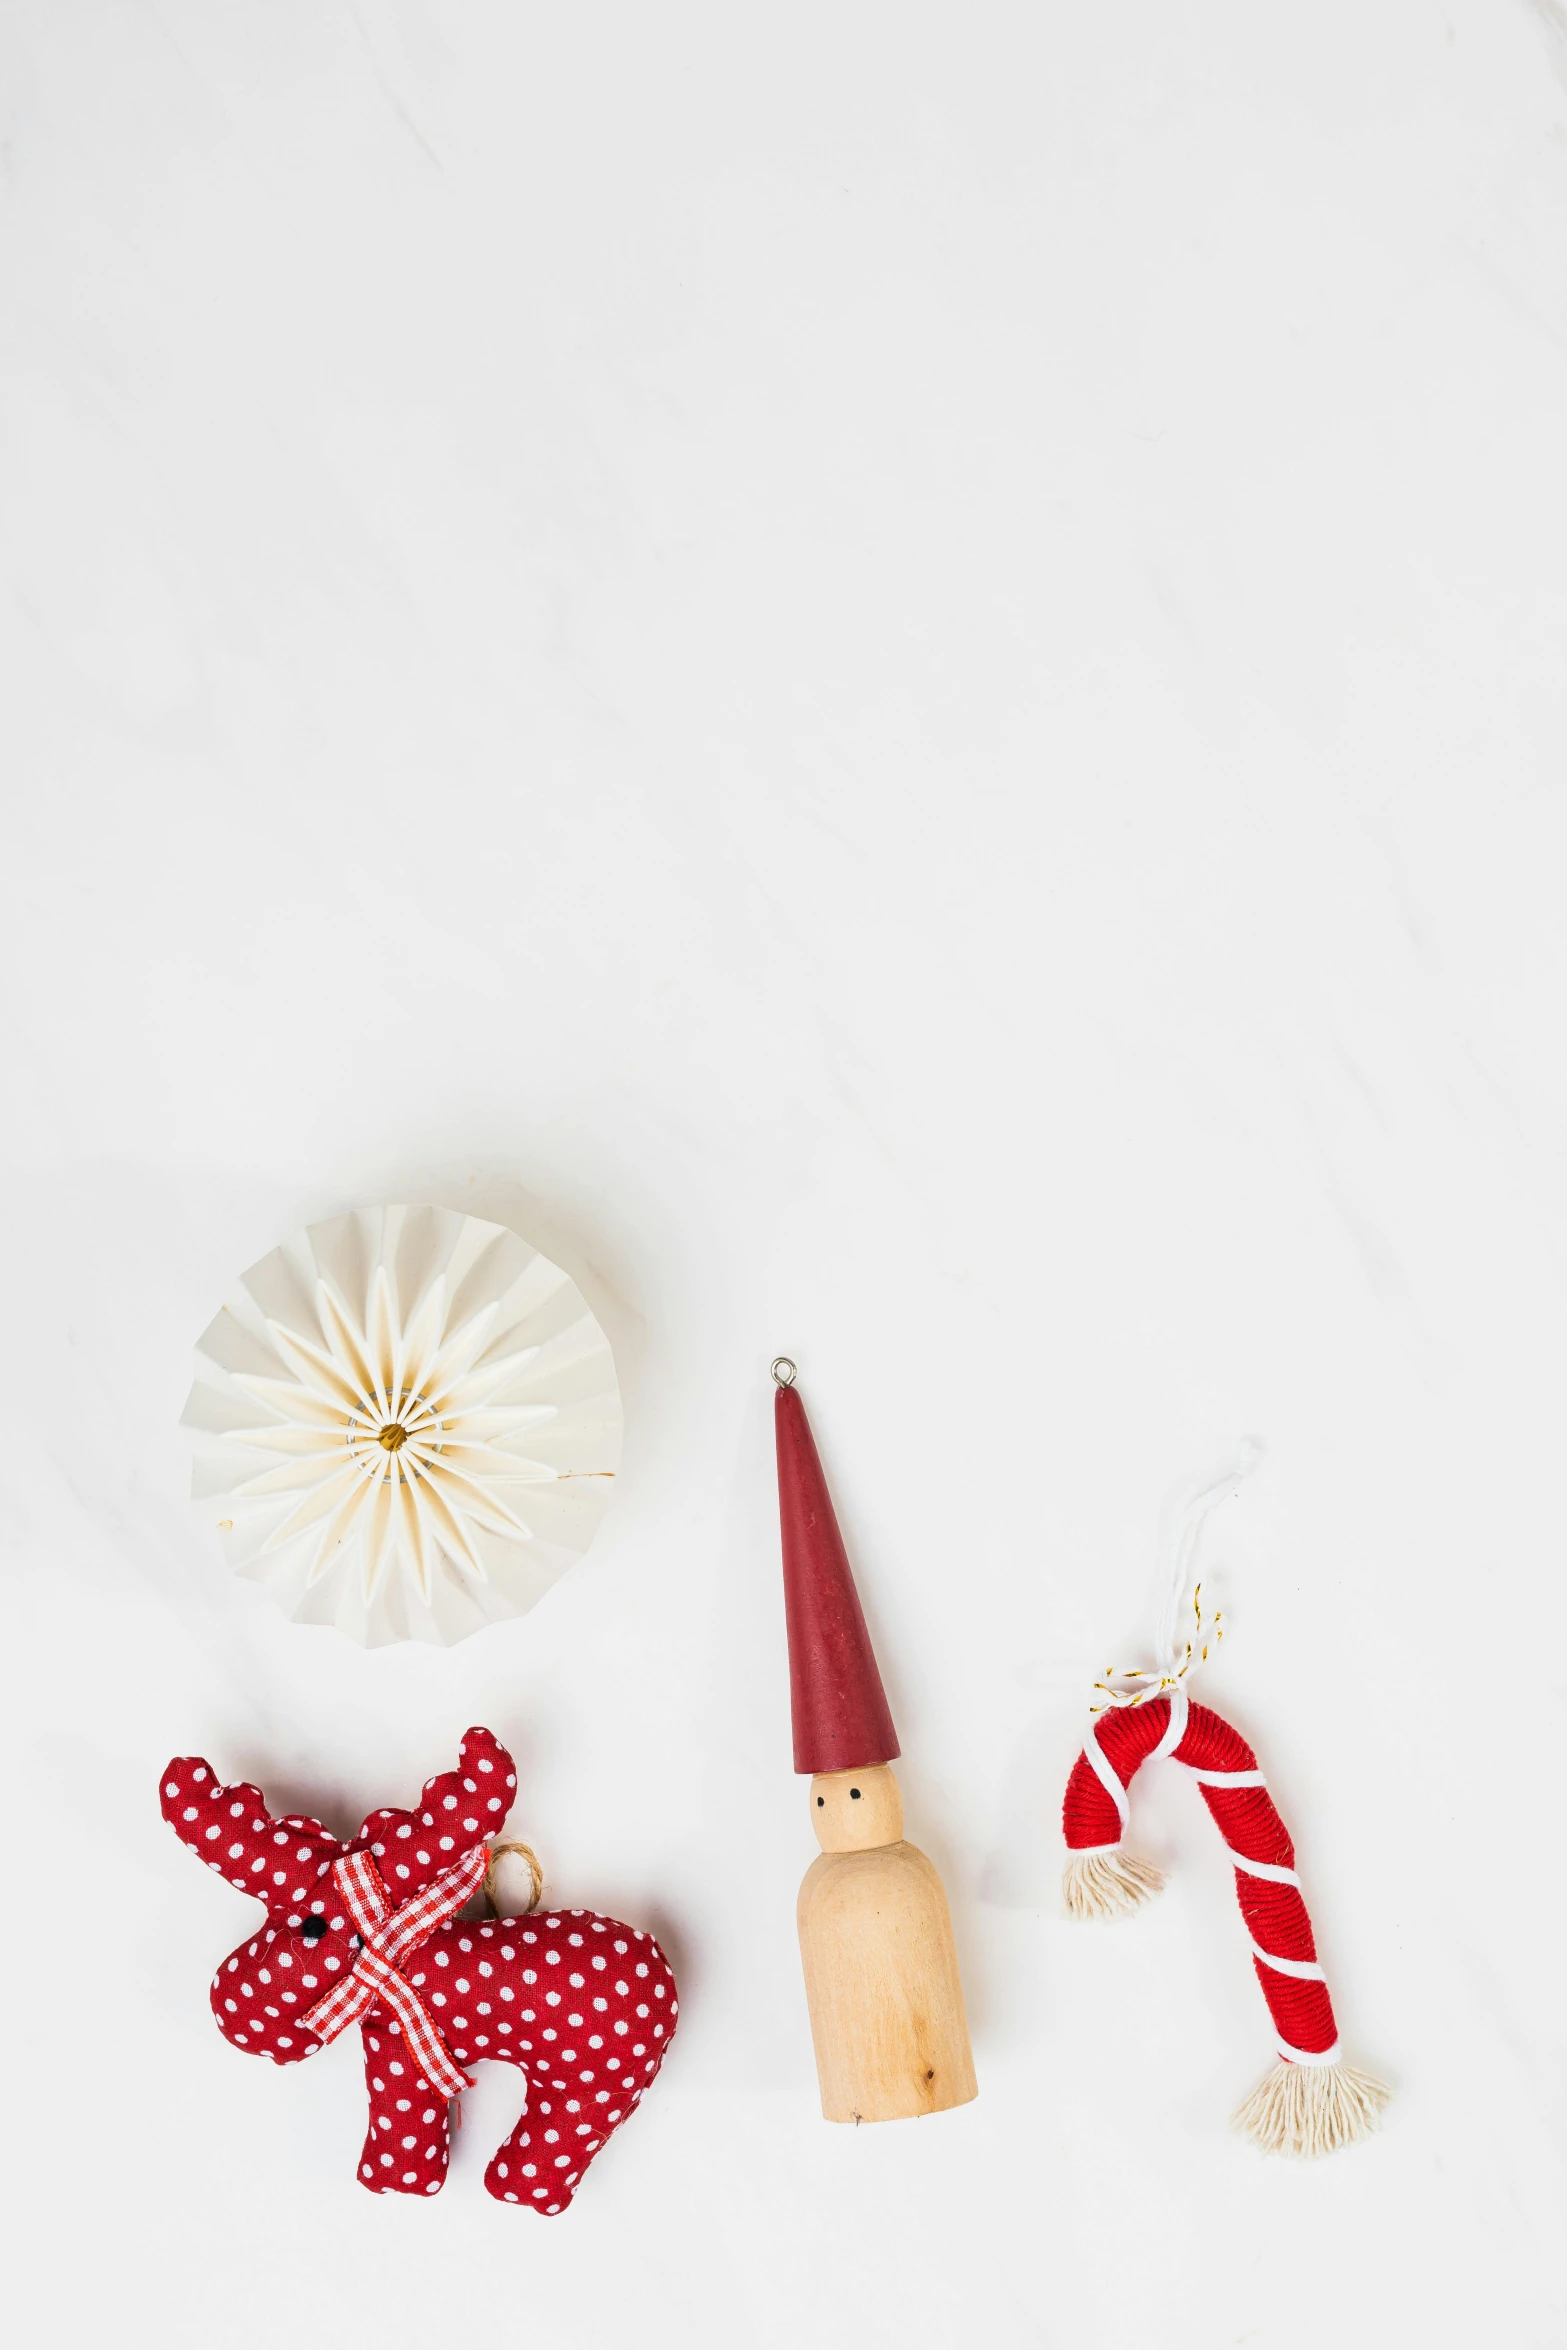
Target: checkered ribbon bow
389, 1936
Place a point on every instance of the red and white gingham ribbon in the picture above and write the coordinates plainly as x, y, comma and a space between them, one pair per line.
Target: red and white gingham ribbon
389, 1936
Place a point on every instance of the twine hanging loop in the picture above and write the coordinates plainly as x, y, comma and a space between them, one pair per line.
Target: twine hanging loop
535, 1871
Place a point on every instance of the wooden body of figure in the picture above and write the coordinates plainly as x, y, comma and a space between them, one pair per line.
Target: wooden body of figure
881, 1972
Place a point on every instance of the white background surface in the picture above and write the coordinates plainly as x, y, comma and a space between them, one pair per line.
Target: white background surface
895, 674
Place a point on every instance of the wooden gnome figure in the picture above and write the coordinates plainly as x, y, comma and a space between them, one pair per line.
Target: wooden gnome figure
881, 1971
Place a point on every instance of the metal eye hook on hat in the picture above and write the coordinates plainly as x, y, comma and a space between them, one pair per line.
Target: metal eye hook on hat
784, 1372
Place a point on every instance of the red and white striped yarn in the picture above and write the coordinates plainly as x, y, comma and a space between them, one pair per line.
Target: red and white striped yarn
1313, 2101
1266, 1884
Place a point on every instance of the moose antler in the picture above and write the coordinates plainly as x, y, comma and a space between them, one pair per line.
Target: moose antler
457, 1809
280, 1861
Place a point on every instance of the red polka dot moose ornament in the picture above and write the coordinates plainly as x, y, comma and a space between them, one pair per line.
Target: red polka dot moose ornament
369, 1932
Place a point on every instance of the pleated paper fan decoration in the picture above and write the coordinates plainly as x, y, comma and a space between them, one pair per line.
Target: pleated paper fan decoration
406, 1424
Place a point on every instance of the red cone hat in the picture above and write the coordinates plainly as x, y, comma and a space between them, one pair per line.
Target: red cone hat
841, 1717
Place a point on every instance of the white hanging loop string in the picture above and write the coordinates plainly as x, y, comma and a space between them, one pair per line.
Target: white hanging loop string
1173, 1657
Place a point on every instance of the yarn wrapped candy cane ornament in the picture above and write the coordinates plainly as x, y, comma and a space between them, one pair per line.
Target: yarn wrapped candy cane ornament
1312, 2101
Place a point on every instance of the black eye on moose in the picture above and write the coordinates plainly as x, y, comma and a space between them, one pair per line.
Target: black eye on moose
854, 1795
820, 1800
313, 1929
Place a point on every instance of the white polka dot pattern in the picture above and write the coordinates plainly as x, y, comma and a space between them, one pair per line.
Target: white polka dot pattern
585, 2007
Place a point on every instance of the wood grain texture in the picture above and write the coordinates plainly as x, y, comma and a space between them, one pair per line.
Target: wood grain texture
882, 1985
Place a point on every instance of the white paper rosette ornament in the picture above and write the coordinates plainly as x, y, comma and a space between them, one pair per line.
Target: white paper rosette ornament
406, 1424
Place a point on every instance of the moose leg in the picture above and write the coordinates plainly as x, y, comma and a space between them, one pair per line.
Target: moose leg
571, 2115
406, 2147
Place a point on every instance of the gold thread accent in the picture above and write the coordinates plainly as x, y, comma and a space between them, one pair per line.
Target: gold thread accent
1196, 1653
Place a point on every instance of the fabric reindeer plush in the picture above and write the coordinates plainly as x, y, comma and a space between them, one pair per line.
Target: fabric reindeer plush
369, 1932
